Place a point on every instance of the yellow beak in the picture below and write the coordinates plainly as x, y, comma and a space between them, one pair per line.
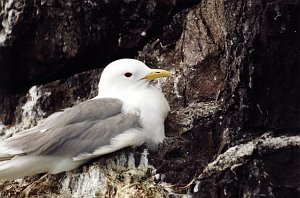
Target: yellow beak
157, 73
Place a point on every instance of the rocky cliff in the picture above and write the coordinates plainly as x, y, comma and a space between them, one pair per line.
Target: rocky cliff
234, 126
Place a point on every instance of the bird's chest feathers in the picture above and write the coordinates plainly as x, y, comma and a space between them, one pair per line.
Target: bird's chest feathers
152, 112
151, 106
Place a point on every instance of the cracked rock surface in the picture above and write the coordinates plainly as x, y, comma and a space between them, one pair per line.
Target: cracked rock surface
235, 122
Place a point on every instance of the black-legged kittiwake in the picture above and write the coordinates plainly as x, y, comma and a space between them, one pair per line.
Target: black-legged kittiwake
128, 111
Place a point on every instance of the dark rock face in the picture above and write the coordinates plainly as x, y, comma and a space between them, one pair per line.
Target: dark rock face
46, 40
265, 166
235, 121
275, 96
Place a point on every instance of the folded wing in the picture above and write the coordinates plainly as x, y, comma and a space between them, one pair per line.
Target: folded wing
90, 129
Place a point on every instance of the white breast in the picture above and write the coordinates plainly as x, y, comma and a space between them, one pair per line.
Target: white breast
151, 105
147, 102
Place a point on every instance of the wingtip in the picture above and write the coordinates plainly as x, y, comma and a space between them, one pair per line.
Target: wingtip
6, 158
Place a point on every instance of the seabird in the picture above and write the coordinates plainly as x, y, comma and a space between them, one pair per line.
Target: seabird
128, 111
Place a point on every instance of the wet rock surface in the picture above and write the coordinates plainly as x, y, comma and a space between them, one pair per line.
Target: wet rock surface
234, 126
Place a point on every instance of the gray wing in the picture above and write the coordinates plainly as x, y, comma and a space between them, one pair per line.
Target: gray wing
81, 129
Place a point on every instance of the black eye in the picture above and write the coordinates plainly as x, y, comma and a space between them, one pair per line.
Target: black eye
128, 74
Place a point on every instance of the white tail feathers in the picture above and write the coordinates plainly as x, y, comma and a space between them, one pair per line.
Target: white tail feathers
21, 166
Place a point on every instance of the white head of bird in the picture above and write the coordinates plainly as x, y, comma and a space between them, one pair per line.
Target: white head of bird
127, 75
